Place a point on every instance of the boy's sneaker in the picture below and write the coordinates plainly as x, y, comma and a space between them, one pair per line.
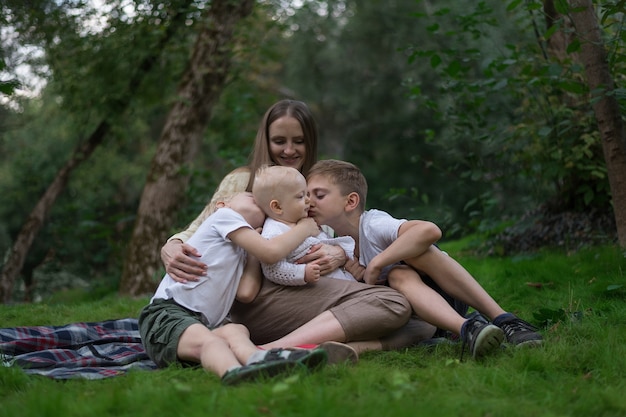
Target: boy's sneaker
480, 337
258, 370
519, 332
312, 359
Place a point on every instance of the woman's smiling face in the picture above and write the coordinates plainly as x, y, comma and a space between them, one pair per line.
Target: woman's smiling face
286, 142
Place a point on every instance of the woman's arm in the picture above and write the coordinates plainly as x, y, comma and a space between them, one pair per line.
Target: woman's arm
355, 269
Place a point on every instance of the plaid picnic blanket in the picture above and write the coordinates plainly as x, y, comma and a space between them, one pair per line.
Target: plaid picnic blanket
90, 350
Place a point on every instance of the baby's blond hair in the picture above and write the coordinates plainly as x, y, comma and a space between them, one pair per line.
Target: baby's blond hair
270, 182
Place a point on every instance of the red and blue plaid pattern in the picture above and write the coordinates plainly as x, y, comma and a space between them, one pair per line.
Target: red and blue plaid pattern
91, 350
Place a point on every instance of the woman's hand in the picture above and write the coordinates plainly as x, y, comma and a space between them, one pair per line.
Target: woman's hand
180, 263
355, 268
328, 257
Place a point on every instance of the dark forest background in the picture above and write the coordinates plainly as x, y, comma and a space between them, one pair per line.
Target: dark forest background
475, 115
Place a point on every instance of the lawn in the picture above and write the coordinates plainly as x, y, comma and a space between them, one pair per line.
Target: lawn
578, 300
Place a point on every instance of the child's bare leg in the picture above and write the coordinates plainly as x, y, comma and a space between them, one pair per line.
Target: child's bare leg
426, 302
481, 338
199, 344
238, 338
456, 281
248, 354
459, 283
322, 328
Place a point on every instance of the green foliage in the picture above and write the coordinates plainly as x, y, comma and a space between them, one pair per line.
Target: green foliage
515, 120
346, 61
89, 69
450, 109
252, 88
579, 371
7, 87
85, 229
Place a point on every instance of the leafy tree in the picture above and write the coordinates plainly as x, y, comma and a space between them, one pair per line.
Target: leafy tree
252, 86
106, 105
606, 107
347, 61
549, 144
87, 231
200, 87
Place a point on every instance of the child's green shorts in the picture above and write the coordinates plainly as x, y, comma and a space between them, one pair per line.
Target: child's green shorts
160, 324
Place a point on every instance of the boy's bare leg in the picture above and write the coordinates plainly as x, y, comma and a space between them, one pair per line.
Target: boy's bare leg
238, 338
322, 324
481, 338
199, 344
429, 305
456, 281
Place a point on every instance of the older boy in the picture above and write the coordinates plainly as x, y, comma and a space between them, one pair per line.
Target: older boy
338, 191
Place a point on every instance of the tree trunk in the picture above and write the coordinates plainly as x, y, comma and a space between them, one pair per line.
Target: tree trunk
165, 186
606, 108
36, 219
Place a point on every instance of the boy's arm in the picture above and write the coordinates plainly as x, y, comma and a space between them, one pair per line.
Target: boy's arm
414, 238
250, 282
270, 251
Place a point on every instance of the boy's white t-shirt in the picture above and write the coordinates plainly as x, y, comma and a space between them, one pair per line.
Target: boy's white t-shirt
377, 230
212, 295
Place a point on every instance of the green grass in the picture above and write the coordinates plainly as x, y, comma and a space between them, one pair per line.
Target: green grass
579, 372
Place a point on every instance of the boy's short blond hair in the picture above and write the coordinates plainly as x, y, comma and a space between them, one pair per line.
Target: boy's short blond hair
270, 182
347, 176
233, 183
